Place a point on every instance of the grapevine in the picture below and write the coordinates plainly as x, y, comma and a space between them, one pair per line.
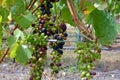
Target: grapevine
46, 22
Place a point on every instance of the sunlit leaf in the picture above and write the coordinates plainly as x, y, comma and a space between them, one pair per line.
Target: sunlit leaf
25, 21
101, 6
21, 53
13, 50
104, 25
18, 34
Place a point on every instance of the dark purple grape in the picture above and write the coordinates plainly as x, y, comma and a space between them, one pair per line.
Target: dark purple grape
56, 71
48, 33
51, 64
55, 47
55, 36
60, 51
44, 12
42, 22
64, 28
49, 5
42, 7
31, 78
58, 64
65, 34
51, 24
93, 73
43, 30
33, 25
48, 12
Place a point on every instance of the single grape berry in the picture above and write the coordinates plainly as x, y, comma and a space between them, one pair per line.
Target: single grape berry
31, 78
58, 64
42, 7
65, 34
56, 71
43, 30
93, 73
55, 47
49, 5
51, 64
33, 25
60, 51
55, 36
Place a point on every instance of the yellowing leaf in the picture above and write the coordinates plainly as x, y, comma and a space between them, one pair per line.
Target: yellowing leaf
1, 2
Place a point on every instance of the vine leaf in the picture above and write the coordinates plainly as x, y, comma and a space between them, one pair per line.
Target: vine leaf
25, 20
18, 8
21, 53
13, 51
1, 2
104, 25
18, 34
11, 40
66, 15
0, 30
4, 13
101, 6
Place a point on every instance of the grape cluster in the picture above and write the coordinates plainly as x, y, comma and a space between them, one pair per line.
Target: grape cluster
60, 35
87, 52
46, 28
38, 60
54, 30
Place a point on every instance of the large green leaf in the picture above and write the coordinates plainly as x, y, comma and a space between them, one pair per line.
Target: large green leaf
21, 53
4, 13
11, 40
0, 29
25, 21
66, 15
104, 25
18, 8
18, 34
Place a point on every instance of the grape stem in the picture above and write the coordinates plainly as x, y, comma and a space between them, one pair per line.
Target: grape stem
34, 10
32, 2
84, 31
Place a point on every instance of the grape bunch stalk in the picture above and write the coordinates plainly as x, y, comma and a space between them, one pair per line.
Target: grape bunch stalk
88, 53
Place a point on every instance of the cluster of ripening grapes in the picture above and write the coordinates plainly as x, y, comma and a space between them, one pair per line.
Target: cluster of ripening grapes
47, 28
88, 53
53, 31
